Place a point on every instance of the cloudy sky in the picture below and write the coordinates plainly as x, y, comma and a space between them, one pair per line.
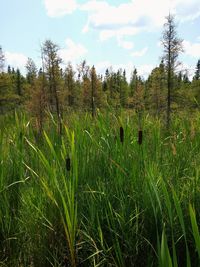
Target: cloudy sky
104, 32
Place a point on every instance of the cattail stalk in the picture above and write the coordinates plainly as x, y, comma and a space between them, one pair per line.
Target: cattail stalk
140, 137
121, 134
68, 164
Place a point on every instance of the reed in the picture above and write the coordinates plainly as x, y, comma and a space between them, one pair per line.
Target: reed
84, 199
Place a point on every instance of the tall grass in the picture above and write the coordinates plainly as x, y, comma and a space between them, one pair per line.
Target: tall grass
119, 201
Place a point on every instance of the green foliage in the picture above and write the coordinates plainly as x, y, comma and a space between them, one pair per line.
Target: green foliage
195, 229
119, 204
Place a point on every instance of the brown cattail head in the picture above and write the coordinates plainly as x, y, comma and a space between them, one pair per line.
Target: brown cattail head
140, 137
121, 134
68, 164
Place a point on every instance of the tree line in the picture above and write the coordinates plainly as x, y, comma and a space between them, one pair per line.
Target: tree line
57, 89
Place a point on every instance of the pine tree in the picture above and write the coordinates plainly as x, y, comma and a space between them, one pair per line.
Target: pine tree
84, 83
9, 70
18, 83
172, 47
195, 85
51, 61
179, 79
70, 85
124, 90
7, 94
38, 100
156, 93
96, 91
138, 100
133, 82
31, 71
109, 86
197, 72
105, 85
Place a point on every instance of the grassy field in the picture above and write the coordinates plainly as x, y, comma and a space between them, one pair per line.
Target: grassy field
93, 197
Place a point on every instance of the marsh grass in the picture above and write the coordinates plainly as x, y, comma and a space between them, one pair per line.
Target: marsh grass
96, 196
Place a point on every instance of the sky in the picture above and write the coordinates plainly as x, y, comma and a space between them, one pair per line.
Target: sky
122, 34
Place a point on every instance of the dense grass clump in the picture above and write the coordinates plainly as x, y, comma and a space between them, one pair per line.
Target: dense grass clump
105, 193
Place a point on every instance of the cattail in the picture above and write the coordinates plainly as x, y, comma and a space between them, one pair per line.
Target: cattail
121, 134
68, 164
140, 137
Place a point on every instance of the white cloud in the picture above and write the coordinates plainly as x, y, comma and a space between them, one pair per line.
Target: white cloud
187, 10
127, 19
94, 5
159, 44
186, 69
106, 34
137, 13
119, 33
73, 51
102, 66
135, 16
139, 53
16, 60
103, 14
125, 44
58, 8
192, 49
128, 45
145, 69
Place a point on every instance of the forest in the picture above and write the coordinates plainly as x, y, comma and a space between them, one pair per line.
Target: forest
97, 170
56, 89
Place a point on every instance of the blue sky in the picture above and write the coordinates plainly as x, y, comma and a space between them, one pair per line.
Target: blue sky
123, 34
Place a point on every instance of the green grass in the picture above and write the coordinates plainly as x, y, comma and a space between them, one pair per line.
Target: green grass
120, 204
